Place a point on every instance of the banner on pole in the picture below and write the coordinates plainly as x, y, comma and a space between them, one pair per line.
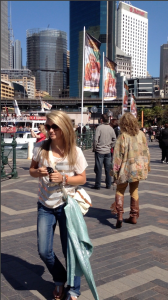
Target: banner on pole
110, 91
133, 107
125, 96
45, 105
92, 64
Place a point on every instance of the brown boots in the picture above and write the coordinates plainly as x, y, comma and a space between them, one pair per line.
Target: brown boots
119, 200
134, 212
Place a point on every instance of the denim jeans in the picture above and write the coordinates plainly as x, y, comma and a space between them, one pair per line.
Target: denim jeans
101, 159
46, 224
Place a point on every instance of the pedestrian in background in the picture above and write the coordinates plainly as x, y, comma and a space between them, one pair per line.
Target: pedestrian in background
103, 142
60, 152
163, 142
41, 135
131, 160
114, 125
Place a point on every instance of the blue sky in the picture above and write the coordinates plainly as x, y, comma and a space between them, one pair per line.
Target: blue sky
40, 14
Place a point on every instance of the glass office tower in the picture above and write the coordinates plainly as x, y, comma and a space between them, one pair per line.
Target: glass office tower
47, 59
98, 17
4, 35
163, 64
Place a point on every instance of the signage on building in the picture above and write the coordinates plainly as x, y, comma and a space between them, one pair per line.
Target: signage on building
8, 129
137, 11
37, 118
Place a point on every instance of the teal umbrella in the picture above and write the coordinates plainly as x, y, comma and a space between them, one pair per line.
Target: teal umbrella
79, 246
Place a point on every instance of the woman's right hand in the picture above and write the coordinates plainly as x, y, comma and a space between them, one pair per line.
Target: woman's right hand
42, 172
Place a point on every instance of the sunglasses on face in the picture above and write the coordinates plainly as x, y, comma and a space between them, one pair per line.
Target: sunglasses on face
53, 126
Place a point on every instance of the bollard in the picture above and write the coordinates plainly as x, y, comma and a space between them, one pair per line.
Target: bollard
30, 150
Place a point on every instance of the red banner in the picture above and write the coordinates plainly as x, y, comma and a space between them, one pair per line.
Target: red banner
8, 129
37, 118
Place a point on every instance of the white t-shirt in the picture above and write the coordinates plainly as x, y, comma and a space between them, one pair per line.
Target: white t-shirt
50, 194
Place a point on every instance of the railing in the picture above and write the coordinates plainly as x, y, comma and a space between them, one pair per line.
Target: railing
85, 140
7, 168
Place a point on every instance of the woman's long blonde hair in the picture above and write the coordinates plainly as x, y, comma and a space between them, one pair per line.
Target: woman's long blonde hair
129, 124
42, 129
64, 122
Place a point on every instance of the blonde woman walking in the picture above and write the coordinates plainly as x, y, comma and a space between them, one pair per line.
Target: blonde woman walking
131, 160
68, 164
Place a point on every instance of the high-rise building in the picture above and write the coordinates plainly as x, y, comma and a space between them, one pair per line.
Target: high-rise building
163, 64
123, 62
47, 59
132, 36
17, 55
4, 34
98, 17
10, 41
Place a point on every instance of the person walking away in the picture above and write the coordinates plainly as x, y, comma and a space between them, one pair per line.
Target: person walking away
41, 135
59, 152
103, 142
131, 160
114, 125
164, 143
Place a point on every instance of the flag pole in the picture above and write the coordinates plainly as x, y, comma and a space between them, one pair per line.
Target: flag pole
123, 98
83, 76
103, 84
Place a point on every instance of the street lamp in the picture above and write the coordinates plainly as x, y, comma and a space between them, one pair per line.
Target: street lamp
93, 111
110, 114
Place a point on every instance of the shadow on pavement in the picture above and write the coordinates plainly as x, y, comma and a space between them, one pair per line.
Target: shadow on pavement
24, 276
101, 215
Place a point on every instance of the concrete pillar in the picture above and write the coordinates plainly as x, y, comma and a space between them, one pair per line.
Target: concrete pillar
30, 150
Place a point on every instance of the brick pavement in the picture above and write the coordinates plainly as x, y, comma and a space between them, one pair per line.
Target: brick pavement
127, 263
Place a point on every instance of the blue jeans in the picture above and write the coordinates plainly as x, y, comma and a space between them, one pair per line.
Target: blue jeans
46, 224
101, 159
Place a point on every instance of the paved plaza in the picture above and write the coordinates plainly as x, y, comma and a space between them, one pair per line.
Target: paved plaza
127, 263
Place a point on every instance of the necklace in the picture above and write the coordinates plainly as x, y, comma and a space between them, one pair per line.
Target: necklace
61, 151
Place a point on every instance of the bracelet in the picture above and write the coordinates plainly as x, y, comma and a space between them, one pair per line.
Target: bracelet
64, 179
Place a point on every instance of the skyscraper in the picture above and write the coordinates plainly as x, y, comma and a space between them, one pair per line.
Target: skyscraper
47, 59
17, 55
10, 41
132, 36
98, 17
163, 64
4, 34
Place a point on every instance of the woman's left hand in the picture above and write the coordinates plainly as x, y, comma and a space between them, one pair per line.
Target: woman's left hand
55, 177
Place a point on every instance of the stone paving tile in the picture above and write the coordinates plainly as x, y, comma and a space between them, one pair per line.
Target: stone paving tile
110, 262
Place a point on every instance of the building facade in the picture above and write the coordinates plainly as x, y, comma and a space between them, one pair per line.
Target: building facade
17, 55
4, 34
16, 73
163, 64
47, 59
141, 87
27, 81
132, 36
98, 17
124, 64
7, 90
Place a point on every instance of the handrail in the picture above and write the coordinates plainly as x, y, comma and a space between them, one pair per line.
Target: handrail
4, 159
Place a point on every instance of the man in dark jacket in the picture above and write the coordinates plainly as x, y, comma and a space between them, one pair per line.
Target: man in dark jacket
164, 143
104, 140
114, 125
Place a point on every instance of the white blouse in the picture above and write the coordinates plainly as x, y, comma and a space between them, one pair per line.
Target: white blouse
50, 194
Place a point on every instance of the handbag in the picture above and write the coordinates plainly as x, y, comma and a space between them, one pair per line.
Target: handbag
81, 197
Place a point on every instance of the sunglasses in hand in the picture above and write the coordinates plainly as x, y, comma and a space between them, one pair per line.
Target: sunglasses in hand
53, 126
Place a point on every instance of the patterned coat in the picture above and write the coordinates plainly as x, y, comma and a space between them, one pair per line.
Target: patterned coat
131, 158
